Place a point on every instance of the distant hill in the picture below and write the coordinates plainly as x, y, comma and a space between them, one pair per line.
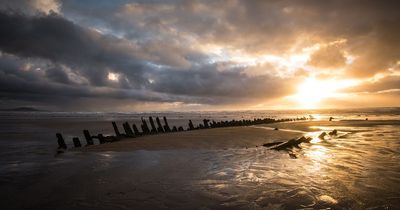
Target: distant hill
23, 109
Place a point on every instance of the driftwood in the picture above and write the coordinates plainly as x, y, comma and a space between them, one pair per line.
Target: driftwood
322, 135
333, 133
288, 144
295, 142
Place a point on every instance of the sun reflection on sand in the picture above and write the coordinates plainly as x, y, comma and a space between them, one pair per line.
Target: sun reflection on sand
317, 152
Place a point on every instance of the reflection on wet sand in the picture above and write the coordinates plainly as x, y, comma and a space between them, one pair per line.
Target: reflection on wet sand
355, 169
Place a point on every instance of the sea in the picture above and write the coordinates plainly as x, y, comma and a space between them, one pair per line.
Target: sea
359, 171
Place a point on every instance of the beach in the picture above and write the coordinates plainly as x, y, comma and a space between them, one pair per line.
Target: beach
218, 168
217, 138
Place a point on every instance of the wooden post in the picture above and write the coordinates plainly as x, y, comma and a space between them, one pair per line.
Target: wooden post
117, 133
135, 130
128, 130
180, 128
145, 128
160, 128
153, 127
191, 127
213, 124
166, 126
60, 141
174, 129
88, 137
76, 141
101, 138
205, 121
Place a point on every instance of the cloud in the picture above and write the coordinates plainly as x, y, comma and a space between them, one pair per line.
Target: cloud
382, 85
60, 41
329, 57
75, 62
201, 52
31, 7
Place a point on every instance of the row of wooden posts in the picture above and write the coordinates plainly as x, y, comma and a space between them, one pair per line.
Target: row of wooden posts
133, 131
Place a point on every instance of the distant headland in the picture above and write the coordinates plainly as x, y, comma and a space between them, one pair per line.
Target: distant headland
23, 109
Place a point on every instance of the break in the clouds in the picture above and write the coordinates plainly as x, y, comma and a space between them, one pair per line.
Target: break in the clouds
123, 55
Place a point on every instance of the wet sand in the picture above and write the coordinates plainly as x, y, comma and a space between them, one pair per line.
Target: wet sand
316, 125
216, 138
221, 169
232, 137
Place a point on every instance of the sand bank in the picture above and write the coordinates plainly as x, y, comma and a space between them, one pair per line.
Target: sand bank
231, 137
217, 138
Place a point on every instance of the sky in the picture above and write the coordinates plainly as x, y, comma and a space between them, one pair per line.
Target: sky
178, 55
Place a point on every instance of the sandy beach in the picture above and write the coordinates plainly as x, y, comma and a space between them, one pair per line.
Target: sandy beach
199, 105
232, 137
218, 168
217, 138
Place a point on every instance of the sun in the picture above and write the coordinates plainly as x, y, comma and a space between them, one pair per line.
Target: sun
311, 93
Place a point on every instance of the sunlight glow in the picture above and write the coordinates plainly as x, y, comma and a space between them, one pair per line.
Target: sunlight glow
113, 76
312, 91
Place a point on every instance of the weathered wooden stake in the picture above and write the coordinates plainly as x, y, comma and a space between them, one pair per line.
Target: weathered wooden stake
135, 130
153, 127
166, 126
60, 141
206, 123
174, 129
191, 127
117, 133
145, 128
88, 137
128, 130
76, 141
160, 128
101, 138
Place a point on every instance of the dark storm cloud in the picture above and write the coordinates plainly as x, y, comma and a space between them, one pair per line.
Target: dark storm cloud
158, 49
208, 81
61, 41
89, 54
370, 27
